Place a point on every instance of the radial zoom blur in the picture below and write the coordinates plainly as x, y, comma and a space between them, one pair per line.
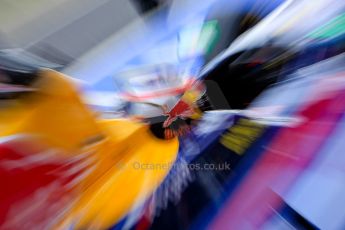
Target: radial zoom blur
172, 114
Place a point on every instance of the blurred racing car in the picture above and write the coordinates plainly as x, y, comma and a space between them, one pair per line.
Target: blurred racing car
63, 167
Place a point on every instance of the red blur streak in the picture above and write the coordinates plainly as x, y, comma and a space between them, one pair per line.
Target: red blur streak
143, 224
145, 221
20, 203
254, 63
290, 153
162, 93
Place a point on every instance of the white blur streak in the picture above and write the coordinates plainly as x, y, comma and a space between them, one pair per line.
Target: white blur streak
250, 38
287, 25
6, 139
300, 87
213, 121
101, 98
170, 190
31, 161
106, 58
23, 214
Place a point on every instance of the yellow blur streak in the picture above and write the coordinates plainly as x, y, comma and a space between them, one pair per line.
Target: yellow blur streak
116, 184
